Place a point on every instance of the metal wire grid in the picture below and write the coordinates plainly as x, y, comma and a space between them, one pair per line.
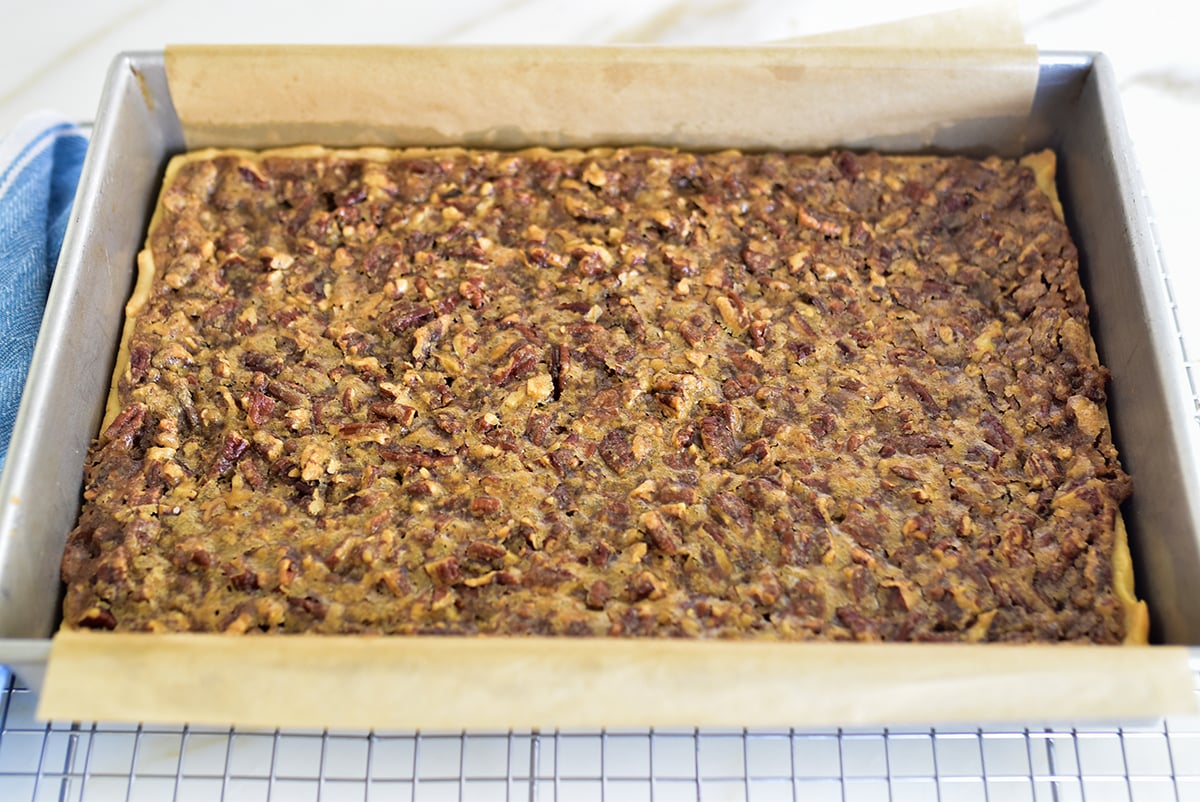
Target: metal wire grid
78, 762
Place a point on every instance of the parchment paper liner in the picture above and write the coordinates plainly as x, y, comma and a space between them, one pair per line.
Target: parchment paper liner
781, 97
497, 683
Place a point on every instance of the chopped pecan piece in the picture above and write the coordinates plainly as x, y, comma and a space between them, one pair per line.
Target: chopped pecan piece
444, 571
483, 506
616, 449
485, 552
259, 407
418, 456
399, 413
126, 426
645, 585
717, 437
287, 392
519, 362
232, 448
97, 618
660, 532
598, 595
426, 338
407, 316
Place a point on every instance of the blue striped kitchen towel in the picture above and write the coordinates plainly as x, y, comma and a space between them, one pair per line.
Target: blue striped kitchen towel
40, 161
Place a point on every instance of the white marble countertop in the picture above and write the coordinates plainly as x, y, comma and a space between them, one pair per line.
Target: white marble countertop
54, 55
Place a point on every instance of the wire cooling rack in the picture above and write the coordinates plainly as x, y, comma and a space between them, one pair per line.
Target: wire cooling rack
90, 762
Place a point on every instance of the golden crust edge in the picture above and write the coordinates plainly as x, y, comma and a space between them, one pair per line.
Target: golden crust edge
141, 293
1043, 163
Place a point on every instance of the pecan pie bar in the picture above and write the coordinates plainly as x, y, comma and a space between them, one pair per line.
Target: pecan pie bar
616, 392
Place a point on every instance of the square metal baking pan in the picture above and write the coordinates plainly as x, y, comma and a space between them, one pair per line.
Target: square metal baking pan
1076, 111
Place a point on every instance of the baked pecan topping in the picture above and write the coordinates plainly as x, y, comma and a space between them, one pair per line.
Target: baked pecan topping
623, 392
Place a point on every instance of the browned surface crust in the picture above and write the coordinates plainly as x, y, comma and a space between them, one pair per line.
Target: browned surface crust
625, 392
